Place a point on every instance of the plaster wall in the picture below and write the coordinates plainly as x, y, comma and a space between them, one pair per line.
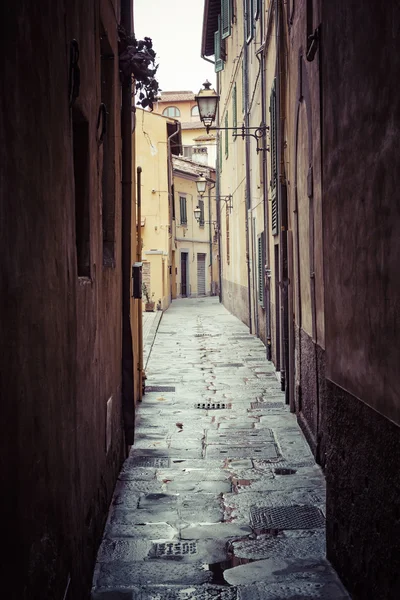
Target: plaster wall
61, 333
152, 156
361, 211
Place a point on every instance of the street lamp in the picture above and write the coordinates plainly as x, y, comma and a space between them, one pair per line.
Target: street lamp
207, 101
201, 184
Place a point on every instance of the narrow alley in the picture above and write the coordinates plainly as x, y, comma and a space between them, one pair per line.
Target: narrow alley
220, 496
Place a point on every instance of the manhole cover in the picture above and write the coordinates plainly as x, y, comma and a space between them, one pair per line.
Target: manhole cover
160, 388
283, 471
286, 517
252, 359
149, 461
233, 365
171, 549
212, 406
167, 332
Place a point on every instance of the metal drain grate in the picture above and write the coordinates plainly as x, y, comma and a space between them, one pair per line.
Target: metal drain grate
286, 517
212, 406
149, 461
160, 388
172, 549
228, 365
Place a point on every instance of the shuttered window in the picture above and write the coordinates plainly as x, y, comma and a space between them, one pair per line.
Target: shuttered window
201, 207
260, 270
249, 11
234, 109
219, 63
226, 135
182, 202
274, 158
225, 18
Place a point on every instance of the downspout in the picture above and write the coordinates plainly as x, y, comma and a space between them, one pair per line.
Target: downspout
267, 266
218, 204
141, 374
247, 168
171, 195
282, 212
210, 236
128, 403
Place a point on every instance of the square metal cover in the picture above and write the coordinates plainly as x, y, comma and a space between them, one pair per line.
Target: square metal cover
149, 461
286, 517
160, 388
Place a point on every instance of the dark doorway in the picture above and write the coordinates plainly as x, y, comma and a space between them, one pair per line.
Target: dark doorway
184, 274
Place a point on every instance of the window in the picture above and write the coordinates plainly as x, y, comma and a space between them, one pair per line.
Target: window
226, 135
195, 111
274, 159
260, 270
218, 52
171, 111
80, 141
249, 13
234, 109
200, 204
108, 149
182, 204
225, 18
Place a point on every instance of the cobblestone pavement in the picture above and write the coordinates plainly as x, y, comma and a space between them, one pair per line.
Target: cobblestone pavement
220, 497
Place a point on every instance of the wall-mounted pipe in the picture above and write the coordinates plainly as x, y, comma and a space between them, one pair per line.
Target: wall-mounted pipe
128, 401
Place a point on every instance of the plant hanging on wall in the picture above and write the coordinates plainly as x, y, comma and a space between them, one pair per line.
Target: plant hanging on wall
137, 63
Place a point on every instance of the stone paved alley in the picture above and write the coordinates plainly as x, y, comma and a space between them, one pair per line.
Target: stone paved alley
220, 496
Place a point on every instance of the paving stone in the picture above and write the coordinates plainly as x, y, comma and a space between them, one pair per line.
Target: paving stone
180, 516
110, 575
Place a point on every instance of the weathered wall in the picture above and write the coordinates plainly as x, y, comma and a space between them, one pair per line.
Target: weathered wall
361, 149
235, 298
363, 490
303, 160
361, 110
61, 333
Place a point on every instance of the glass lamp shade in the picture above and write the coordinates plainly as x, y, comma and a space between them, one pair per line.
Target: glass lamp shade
207, 100
197, 213
201, 184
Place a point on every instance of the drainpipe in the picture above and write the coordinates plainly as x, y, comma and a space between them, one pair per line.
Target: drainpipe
248, 195
267, 267
210, 234
141, 374
282, 212
128, 403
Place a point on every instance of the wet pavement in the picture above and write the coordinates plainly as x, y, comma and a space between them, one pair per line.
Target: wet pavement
220, 497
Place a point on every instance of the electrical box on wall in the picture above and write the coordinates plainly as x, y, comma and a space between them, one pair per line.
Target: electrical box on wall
137, 280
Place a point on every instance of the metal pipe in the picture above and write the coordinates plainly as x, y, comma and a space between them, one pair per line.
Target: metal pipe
141, 374
247, 170
128, 403
267, 266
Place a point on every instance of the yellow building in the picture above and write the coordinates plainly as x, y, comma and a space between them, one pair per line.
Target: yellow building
179, 254
195, 240
197, 145
157, 140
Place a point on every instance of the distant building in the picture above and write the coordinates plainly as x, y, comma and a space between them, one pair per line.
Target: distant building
196, 144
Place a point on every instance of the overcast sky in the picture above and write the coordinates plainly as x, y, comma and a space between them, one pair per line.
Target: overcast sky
175, 27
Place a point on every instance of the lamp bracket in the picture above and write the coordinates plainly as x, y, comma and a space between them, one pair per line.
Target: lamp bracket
256, 132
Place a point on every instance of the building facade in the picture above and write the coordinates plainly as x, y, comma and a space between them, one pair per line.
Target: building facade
67, 381
307, 254
196, 144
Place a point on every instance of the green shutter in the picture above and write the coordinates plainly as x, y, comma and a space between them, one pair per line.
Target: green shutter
182, 202
225, 18
226, 135
219, 63
273, 135
234, 108
201, 207
243, 88
220, 152
261, 269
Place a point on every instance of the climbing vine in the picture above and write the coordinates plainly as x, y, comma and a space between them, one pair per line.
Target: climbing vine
137, 63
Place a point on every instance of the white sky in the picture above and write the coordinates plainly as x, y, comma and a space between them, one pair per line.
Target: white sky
175, 26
